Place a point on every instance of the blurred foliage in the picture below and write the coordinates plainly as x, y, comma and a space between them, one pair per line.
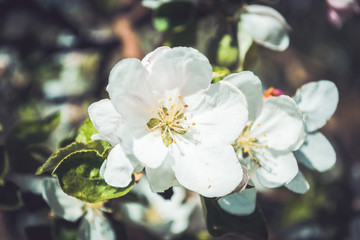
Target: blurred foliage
4, 166
220, 222
26, 144
178, 22
10, 197
64, 230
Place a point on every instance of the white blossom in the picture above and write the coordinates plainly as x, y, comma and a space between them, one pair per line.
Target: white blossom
163, 217
163, 114
274, 130
93, 226
318, 102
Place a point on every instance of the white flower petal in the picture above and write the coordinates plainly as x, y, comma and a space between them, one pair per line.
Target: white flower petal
105, 119
317, 152
266, 26
299, 184
212, 171
149, 148
250, 86
163, 177
129, 92
240, 204
245, 41
60, 203
278, 168
280, 124
27, 182
118, 168
95, 226
318, 102
148, 60
220, 115
183, 69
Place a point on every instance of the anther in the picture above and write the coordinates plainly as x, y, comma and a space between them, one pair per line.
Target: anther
259, 124
193, 124
179, 96
170, 99
152, 111
185, 106
185, 117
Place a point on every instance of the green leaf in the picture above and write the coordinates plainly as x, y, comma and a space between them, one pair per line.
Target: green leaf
10, 197
227, 54
35, 131
85, 132
68, 140
62, 153
4, 166
23, 145
219, 73
79, 176
220, 222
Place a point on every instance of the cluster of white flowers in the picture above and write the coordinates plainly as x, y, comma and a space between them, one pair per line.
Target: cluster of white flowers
165, 117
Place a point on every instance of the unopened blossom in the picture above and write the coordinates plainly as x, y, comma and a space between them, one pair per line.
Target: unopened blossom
165, 115
341, 10
273, 92
164, 217
266, 26
275, 129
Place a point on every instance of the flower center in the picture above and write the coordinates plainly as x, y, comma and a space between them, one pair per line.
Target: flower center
170, 120
248, 145
97, 208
